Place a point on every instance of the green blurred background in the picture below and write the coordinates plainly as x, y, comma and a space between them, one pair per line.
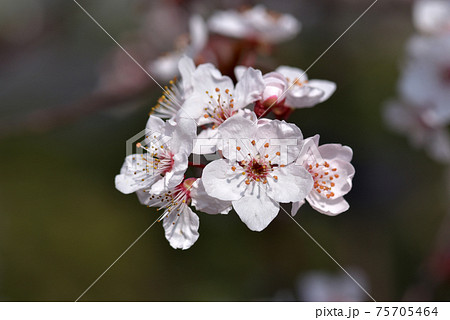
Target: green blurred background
62, 222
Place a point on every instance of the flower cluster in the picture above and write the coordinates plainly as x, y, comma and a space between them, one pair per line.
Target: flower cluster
210, 146
422, 110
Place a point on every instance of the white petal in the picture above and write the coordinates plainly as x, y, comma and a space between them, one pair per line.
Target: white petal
248, 114
174, 177
239, 71
207, 78
326, 86
165, 67
145, 198
222, 182
282, 137
336, 151
304, 96
187, 67
310, 151
182, 231
256, 211
198, 33
292, 74
205, 203
293, 184
330, 207
206, 142
194, 107
236, 133
275, 85
256, 24
135, 174
296, 206
249, 88
432, 16
154, 126
416, 83
228, 23
182, 135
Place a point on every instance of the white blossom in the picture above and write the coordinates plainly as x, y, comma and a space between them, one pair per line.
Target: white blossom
290, 87
332, 173
255, 176
180, 223
164, 161
165, 67
304, 93
170, 103
426, 76
215, 99
432, 16
419, 125
318, 286
255, 24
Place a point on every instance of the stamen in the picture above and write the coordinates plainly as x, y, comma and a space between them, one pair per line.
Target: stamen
322, 178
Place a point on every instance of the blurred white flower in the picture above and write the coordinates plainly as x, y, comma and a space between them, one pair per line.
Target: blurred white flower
426, 77
421, 128
319, 286
332, 174
432, 16
254, 175
255, 24
166, 66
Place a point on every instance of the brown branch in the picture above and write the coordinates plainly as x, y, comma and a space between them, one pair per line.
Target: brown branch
47, 119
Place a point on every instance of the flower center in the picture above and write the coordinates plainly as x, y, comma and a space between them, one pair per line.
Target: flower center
160, 160
324, 177
174, 201
220, 106
296, 82
257, 169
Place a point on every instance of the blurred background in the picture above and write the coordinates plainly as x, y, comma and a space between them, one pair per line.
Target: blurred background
70, 100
